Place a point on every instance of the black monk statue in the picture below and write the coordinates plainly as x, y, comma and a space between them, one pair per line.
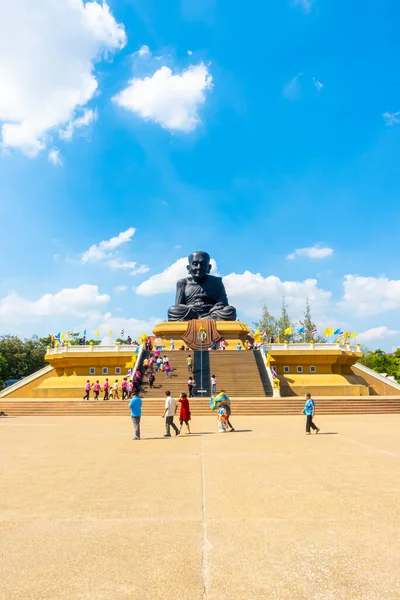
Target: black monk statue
201, 296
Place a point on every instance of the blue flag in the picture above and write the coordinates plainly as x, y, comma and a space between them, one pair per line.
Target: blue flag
84, 333
337, 332
58, 336
302, 330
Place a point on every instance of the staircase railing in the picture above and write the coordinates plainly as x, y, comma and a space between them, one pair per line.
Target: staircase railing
19, 384
378, 376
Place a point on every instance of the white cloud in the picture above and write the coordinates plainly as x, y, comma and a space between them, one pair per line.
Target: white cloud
117, 263
88, 117
370, 295
376, 333
190, 52
120, 288
317, 84
292, 90
165, 282
305, 5
102, 250
140, 270
144, 51
72, 302
133, 327
248, 290
171, 100
316, 251
48, 50
54, 157
391, 118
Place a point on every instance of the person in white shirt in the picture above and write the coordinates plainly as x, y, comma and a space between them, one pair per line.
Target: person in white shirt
169, 412
115, 389
165, 360
213, 384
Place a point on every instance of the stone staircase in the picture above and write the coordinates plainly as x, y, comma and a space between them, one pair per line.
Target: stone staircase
177, 380
200, 406
239, 374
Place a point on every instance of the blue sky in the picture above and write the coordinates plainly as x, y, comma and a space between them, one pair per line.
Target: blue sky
250, 132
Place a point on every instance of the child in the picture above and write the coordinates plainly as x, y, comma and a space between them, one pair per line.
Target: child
88, 386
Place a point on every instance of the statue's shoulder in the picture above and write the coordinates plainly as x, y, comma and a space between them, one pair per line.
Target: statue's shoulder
181, 282
214, 279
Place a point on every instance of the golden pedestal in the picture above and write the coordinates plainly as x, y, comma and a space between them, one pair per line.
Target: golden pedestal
232, 332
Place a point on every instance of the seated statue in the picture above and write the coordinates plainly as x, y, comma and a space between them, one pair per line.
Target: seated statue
201, 296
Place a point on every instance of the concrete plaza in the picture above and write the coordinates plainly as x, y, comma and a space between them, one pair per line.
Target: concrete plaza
263, 513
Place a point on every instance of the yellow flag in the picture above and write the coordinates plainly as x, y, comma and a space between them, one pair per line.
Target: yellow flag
346, 335
270, 358
97, 333
63, 336
278, 339
110, 332
328, 331
353, 335
288, 331
257, 332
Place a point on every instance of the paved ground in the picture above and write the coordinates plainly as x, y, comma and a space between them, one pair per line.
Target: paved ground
263, 513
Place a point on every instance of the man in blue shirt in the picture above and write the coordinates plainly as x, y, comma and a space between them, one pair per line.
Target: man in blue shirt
136, 412
308, 410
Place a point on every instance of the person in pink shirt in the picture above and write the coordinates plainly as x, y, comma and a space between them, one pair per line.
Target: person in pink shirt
106, 387
167, 369
124, 386
88, 387
96, 389
130, 389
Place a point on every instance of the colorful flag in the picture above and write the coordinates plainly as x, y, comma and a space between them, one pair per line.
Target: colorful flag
58, 336
288, 331
302, 330
338, 332
264, 333
313, 331
122, 332
97, 333
274, 373
353, 335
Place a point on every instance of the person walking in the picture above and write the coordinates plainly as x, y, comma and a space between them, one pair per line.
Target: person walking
184, 415
172, 345
136, 412
130, 389
213, 384
124, 387
115, 389
169, 412
309, 411
88, 387
96, 389
159, 363
189, 362
106, 387
151, 379
190, 385
167, 369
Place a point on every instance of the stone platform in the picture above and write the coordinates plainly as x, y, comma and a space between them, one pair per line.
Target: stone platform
232, 332
263, 513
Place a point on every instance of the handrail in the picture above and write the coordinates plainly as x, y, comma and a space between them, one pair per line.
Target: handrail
311, 346
139, 358
25, 380
267, 367
88, 348
378, 376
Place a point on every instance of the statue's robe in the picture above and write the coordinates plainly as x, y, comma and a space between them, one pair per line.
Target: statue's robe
198, 300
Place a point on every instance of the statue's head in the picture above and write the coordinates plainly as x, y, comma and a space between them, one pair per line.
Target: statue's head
199, 265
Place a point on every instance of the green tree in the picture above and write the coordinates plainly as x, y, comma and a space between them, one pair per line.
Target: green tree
283, 323
309, 325
266, 323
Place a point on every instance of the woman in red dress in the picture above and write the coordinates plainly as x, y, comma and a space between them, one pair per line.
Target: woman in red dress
184, 416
